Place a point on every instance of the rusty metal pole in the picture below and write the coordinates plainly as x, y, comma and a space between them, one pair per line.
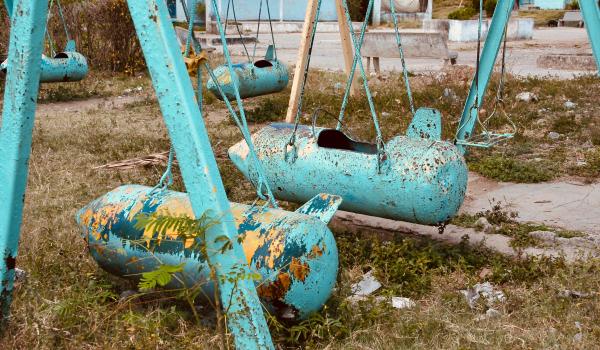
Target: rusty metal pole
199, 170
28, 25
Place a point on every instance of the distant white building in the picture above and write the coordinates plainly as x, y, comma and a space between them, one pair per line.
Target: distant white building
545, 4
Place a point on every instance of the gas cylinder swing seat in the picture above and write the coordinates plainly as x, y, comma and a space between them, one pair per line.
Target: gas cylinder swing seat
254, 77
416, 177
294, 252
65, 66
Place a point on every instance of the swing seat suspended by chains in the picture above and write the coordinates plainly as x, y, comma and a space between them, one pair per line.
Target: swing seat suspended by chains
263, 77
421, 179
66, 66
294, 252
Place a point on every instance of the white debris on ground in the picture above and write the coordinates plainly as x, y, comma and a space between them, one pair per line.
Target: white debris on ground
485, 291
527, 97
570, 105
403, 303
366, 286
579, 336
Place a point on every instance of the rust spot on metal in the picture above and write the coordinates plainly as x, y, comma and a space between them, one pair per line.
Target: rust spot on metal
299, 270
315, 252
276, 289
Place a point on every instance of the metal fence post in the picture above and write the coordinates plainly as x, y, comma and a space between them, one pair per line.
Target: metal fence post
486, 67
591, 18
28, 25
199, 169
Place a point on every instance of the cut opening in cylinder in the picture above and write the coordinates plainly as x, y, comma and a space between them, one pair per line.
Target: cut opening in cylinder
336, 139
263, 64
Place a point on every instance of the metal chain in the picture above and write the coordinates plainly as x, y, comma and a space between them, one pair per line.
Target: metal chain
401, 50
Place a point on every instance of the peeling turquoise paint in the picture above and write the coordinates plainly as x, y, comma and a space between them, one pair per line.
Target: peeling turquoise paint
28, 25
422, 180
258, 78
295, 253
198, 166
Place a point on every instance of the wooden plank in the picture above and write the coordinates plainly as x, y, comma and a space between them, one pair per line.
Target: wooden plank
347, 47
311, 12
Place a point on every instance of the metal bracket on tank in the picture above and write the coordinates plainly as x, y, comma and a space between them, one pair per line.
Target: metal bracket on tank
426, 124
323, 207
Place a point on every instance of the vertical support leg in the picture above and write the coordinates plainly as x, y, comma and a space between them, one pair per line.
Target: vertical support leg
591, 18
368, 65
346, 41
28, 26
376, 65
311, 13
199, 169
489, 54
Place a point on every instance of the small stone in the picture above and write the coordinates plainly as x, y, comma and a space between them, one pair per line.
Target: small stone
527, 97
450, 94
553, 135
547, 236
570, 105
385, 114
581, 163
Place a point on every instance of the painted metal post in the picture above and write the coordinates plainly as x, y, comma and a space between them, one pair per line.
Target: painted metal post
22, 84
591, 18
199, 169
9, 6
489, 54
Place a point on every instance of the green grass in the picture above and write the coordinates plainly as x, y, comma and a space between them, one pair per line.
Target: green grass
69, 302
513, 170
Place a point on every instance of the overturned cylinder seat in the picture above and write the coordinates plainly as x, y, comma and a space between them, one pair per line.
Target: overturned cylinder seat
421, 179
258, 78
294, 252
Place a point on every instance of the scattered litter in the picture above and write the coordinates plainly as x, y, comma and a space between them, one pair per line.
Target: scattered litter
338, 86
485, 290
403, 303
385, 114
489, 314
570, 105
366, 286
553, 135
573, 294
527, 97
